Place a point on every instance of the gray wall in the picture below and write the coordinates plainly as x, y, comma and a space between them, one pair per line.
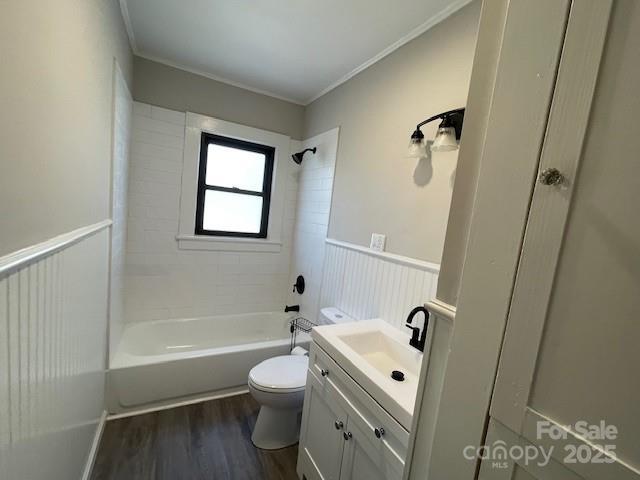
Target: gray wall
376, 188
175, 89
56, 104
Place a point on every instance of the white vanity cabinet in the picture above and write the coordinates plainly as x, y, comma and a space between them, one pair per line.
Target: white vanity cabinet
345, 433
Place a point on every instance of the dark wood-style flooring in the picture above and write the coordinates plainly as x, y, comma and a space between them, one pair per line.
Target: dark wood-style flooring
208, 441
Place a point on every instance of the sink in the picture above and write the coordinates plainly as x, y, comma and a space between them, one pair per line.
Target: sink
369, 351
382, 352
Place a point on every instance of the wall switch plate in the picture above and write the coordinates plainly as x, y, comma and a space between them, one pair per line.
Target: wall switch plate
377, 242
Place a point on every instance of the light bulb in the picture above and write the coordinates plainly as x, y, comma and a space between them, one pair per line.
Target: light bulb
416, 149
445, 140
417, 145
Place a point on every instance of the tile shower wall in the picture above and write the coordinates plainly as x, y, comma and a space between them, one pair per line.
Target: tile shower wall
53, 324
122, 113
164, 282
315, 177
367, 284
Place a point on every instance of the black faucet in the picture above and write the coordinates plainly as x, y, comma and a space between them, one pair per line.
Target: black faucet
418, 340
292, 308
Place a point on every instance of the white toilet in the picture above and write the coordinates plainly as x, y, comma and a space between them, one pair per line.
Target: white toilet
278, 385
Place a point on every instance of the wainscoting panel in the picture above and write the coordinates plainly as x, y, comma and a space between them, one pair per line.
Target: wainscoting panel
53, 314
368, 284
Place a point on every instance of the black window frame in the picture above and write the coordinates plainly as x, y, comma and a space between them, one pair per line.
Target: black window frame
269, 154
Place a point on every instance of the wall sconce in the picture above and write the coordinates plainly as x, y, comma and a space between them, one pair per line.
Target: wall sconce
447, 136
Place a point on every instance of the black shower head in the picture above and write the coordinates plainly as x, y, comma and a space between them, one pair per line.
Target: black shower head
297, 157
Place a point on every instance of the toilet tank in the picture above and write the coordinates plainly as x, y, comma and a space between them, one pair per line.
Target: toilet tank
330, 315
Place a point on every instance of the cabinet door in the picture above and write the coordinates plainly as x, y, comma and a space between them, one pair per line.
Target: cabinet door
322, 427
567, 381
363, 460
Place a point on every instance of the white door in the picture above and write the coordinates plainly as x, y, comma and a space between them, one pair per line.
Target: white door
565, 403
323, 424
364, 460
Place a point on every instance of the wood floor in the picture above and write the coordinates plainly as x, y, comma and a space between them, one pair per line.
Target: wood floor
210, 440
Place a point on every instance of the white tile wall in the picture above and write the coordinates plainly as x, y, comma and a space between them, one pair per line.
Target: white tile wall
165, 282
312, 219
53, 324
365, 284
122, 119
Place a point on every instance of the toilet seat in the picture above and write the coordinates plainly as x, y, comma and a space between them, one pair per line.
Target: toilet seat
282, 374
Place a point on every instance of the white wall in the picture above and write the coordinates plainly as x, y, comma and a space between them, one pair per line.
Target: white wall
53, 321
315, 186
377, 189
55, 115
122, 119
56, 105
164, 282
481, 93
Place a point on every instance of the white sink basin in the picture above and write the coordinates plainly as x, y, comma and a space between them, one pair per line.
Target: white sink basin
369, 351
382, 352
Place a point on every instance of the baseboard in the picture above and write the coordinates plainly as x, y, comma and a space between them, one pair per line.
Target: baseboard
156, 407
86, 475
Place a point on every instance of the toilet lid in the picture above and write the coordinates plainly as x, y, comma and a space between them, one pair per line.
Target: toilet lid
285, 372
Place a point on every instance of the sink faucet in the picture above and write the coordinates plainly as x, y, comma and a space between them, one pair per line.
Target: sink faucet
418, 340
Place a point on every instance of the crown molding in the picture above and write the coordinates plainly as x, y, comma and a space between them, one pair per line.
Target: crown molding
446, 12
217, 78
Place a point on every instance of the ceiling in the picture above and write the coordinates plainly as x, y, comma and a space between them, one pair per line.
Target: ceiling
296, 50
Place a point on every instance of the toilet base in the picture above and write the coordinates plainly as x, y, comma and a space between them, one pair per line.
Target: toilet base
276, 428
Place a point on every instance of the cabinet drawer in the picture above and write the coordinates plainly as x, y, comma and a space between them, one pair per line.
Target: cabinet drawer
360, 406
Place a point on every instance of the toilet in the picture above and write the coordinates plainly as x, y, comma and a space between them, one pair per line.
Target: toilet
278, 385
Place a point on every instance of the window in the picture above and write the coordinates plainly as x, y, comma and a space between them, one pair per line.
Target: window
234, 187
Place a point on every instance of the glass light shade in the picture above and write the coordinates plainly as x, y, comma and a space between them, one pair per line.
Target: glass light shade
417, 148
445, 140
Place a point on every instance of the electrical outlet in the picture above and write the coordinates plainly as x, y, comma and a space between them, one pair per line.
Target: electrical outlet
377, 242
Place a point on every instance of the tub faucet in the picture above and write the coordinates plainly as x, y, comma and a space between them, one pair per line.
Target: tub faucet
292, 308
418, 339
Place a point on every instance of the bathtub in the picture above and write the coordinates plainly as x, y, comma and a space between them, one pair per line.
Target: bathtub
162, 361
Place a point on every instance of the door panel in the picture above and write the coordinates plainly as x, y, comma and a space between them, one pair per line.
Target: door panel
588, 359
570, 349
362, 460
323, 442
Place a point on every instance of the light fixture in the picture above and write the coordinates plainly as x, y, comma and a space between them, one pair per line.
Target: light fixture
297, 157
447, 136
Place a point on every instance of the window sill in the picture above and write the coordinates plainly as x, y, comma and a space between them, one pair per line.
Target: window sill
222, 244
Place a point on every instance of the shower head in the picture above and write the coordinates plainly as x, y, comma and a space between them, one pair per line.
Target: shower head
297, 157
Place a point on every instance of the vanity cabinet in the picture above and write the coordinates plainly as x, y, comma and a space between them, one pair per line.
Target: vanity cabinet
345, 433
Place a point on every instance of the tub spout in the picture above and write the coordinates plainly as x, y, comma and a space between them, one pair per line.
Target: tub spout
292, 308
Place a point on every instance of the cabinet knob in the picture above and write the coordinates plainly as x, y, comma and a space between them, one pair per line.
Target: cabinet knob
379, 432
347, 435
339, 424
324, 372
551, 176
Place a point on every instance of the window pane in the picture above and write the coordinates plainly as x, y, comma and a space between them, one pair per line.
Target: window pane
232, 212
233, 167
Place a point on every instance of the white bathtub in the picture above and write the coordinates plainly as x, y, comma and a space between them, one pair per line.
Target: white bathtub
160, 361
